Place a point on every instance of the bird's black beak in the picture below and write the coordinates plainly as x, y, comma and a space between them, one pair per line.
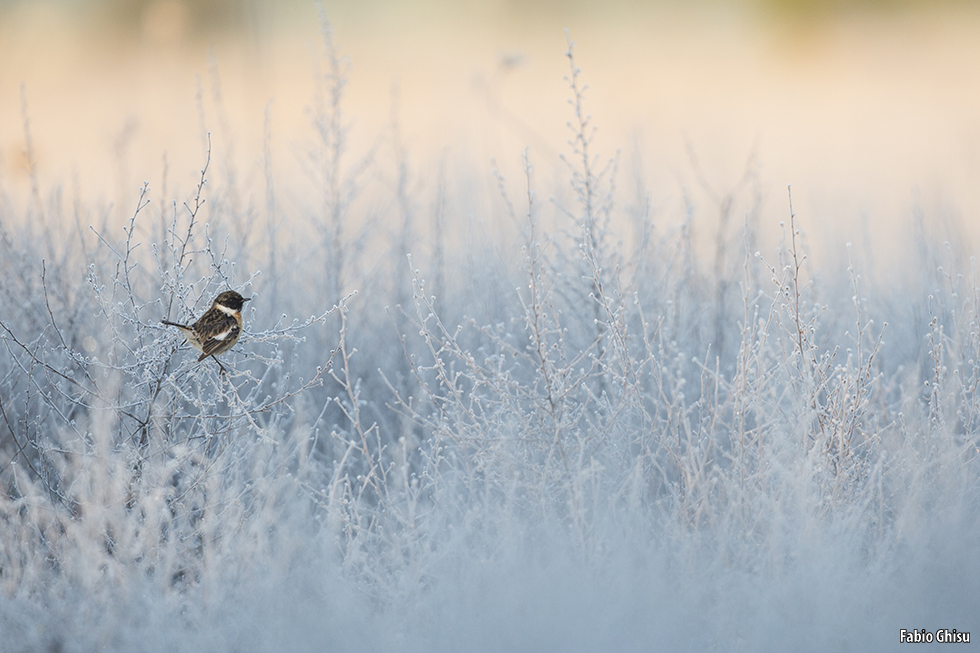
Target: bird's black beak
246, 299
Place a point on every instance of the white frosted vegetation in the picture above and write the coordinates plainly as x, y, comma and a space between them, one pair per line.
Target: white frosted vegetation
584, 433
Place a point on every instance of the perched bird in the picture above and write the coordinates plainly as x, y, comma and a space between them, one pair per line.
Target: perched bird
218, 329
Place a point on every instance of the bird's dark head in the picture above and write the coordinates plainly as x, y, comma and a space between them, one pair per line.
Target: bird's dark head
231, 299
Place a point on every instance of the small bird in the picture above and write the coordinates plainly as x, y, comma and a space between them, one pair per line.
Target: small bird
218, 329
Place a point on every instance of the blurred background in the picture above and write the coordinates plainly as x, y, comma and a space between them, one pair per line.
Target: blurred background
869, 108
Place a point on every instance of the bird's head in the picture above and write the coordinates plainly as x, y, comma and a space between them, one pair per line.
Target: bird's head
231, 299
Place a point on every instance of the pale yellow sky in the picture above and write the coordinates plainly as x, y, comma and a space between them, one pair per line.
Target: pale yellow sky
857, 112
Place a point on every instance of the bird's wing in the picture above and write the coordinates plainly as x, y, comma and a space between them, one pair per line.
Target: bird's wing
215, 341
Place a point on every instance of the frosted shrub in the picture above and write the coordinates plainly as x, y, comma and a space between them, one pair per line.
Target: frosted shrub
616, 454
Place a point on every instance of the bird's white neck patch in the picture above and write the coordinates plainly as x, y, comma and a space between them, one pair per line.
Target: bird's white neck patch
226, 310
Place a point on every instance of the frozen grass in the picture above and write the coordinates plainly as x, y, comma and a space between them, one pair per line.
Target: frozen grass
582, 433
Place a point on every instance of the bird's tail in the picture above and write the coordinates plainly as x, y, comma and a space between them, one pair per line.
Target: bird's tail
179, 326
